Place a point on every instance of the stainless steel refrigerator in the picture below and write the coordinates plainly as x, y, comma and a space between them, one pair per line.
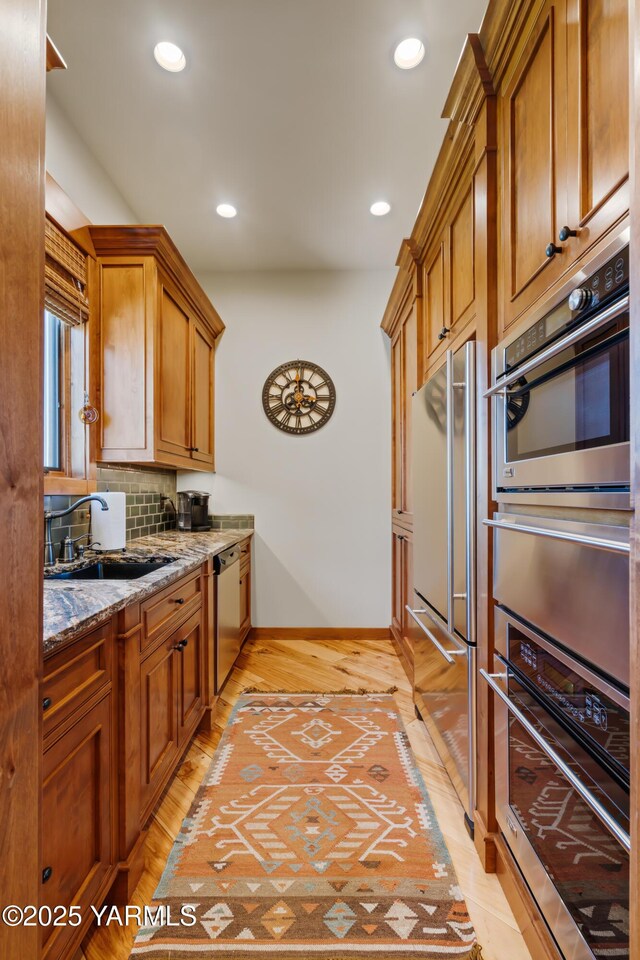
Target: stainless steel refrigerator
444, 536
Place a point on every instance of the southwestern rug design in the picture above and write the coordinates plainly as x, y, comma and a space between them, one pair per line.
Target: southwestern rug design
312, 835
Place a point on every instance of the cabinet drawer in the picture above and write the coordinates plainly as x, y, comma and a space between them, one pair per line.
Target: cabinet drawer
74, 674
161, 611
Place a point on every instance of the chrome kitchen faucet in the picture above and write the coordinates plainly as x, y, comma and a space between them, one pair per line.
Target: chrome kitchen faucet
50, 515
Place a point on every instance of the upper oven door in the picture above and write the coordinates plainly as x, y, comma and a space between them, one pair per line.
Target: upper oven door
562, 417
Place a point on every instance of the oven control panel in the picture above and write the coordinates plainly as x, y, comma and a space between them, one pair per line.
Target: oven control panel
605, 284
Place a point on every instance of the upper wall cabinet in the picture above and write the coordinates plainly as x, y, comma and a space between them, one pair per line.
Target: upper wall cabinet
448, 281
154, 353
564, 147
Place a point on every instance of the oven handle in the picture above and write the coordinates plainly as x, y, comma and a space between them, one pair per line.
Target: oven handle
447, 654
613, 546
582, 331
591, 801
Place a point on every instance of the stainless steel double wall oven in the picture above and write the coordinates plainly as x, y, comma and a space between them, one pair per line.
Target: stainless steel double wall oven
561, 587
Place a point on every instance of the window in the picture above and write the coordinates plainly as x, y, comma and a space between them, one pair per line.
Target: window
66, 453
53, 398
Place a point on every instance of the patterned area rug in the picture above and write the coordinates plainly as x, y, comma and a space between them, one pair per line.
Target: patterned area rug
312, 835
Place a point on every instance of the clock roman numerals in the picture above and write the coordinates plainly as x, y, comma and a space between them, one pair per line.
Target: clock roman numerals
291, 397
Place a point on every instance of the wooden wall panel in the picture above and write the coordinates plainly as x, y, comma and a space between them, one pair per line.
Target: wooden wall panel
22, 104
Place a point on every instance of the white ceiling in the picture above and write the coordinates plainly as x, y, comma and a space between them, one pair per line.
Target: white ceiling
292, 110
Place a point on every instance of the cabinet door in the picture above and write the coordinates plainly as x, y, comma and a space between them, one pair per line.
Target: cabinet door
402, 579
435, 310
462, 258
397, 422
188, 641
410, 385
598, 131
158, 720
245, 602
173, 381
397, 599
202, 396
534, 178
77, 811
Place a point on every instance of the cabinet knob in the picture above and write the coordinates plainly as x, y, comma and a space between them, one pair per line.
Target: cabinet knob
552, 249
565, 233
194, 449
400, 537
46, 874
444, 332
181, 645
46, 703
178, 600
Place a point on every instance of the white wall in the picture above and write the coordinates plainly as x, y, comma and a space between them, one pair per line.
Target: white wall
321, 501
78, 172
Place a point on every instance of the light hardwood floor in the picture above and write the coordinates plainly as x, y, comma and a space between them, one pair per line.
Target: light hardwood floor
272, 663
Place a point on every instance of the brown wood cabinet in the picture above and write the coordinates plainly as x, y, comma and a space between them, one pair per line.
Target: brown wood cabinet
171, 700
402, 594
245, 588
404, 375
154, 351
564, 143
449, 287
79, 784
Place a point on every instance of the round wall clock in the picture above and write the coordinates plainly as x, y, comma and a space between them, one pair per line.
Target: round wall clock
298, 397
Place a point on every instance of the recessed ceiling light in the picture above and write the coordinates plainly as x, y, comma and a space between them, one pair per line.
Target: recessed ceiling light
169, 56
380, 208
409, 53
226, 210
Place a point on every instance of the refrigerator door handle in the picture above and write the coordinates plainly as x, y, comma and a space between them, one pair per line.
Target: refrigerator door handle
447, 654
450, 492
470, 486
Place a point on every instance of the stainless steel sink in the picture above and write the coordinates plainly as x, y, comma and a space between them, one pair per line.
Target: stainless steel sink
112, 570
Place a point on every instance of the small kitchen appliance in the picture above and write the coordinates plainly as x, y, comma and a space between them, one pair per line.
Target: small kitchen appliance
193, 510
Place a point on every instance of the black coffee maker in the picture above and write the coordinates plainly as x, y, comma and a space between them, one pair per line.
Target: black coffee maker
193, 510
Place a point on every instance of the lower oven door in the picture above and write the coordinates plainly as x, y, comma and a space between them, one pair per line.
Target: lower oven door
566, 821
444, 696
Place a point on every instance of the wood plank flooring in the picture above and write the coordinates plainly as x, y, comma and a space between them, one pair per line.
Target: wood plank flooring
273, 663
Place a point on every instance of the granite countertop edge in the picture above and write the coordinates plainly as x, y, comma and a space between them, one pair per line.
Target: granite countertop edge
71, 607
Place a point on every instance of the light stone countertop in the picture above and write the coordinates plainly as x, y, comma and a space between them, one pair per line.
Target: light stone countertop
73, 606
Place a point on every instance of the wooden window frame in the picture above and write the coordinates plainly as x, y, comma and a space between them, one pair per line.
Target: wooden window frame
78, 474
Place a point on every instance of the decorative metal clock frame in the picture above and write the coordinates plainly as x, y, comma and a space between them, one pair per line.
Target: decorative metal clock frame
299, 397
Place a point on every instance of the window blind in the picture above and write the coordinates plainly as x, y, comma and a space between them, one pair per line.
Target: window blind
65, 276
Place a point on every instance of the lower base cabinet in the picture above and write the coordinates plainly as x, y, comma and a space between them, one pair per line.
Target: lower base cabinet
171, 705
402, 595
121, 703
245, 588
78, 811
245, 602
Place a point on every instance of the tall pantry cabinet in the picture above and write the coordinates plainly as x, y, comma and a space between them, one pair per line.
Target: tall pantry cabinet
531, 179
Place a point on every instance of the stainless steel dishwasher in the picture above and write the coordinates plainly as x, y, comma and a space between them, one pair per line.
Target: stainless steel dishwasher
226, 568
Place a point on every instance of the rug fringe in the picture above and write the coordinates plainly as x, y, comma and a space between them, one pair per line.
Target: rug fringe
346, 691
476, 952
